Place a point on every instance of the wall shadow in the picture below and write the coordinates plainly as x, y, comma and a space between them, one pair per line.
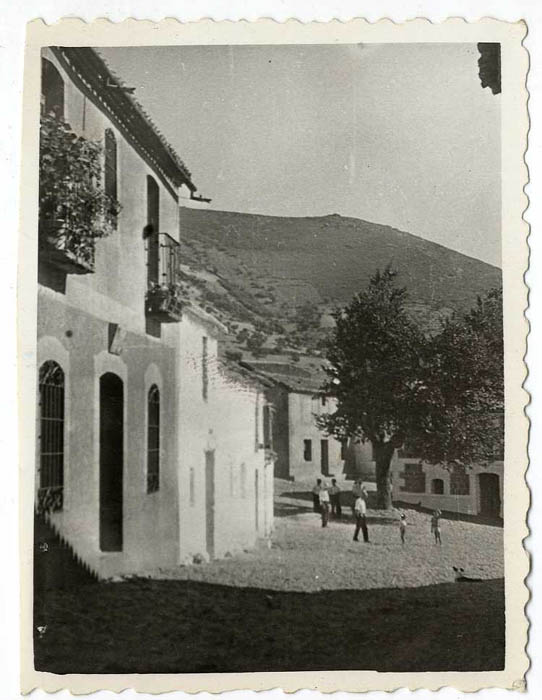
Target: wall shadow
147, 626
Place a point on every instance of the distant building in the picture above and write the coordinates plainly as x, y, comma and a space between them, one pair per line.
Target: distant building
146, 453
303, 451
472, 490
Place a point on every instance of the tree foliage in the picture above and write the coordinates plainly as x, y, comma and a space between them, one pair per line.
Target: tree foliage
441, 394
464, 388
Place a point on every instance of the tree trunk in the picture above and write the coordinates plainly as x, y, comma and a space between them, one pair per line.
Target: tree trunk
383, 454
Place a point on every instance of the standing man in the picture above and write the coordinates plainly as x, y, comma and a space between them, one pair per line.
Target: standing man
316, 496
358, 491
324, 504
335, 498
360, 510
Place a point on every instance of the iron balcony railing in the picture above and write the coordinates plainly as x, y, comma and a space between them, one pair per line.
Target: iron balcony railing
164, 299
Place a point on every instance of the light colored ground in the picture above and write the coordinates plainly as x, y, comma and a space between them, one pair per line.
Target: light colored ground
303, 556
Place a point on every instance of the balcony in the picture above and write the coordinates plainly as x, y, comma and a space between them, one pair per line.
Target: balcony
68, 252
164, 300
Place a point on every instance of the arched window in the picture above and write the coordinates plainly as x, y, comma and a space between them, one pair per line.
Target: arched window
52, 90
153, 439
437, 486
51, 437
110, 165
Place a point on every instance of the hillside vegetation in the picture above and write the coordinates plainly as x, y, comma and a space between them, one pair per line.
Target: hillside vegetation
275, 280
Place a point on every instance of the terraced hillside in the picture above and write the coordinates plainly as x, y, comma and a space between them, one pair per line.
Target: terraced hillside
275, 280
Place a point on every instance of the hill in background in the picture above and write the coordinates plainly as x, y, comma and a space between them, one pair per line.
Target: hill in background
275, 280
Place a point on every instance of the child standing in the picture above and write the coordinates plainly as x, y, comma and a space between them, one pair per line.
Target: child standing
402, 527
435, 526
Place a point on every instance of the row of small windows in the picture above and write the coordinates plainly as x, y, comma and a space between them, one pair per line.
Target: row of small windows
51, 437
414, 481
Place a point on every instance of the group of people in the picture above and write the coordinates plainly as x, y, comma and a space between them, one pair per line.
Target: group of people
327, 502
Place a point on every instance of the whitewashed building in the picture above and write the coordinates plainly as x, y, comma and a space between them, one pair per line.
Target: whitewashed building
133, 452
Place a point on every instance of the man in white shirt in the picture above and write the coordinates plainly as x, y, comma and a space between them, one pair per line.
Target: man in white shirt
360, 510
324, 504
316, 496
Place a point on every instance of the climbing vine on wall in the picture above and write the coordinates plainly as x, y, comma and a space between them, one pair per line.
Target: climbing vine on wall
74, 209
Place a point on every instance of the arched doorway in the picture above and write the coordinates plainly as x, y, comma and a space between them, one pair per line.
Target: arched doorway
111, 461
490, 496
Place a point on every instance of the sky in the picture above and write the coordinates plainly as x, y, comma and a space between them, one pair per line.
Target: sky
396, 134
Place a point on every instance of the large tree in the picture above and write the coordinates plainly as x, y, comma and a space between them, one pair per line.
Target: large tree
463, 378
441, 394
373, 371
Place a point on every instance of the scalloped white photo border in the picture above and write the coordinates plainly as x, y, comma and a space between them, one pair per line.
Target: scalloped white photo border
514, 127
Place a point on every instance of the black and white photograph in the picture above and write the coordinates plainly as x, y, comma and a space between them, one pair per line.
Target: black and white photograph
269, 378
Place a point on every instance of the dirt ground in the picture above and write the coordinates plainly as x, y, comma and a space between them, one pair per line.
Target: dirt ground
303, 556
312, 600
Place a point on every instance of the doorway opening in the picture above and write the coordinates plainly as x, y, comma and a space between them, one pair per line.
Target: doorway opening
490, 496
437, 486
324, 457
111, 462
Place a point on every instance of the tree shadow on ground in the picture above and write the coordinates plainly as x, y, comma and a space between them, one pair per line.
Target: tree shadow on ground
149, 626
346, 498
452, 515
284, 510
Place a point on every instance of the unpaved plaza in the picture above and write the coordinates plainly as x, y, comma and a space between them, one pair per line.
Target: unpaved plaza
303, 556
296, 602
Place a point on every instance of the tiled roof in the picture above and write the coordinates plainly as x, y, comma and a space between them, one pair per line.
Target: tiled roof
289, 375
94, 77
241, 374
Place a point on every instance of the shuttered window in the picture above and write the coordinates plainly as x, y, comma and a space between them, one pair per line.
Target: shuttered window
110, 169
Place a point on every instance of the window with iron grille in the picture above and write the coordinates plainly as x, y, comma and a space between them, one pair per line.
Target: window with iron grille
51, 437
413, 478
459, 482
110, 169
153, 439
307, 450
